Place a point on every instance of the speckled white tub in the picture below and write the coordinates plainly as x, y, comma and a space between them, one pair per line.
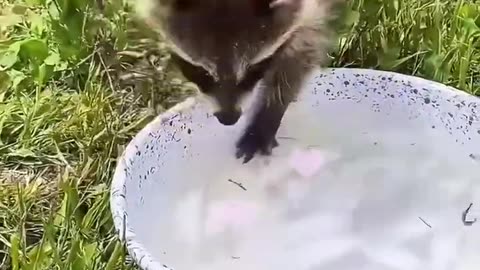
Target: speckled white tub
150, 160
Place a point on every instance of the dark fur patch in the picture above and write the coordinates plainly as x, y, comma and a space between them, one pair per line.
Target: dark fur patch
184, 5
195, 74
224, 31
209, 86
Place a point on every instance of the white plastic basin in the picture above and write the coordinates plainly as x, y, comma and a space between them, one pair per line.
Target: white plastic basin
398, 164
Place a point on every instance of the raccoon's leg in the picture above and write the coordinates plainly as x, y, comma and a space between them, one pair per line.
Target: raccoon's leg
282, 85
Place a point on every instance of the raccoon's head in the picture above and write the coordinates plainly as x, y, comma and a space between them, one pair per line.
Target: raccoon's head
223, 46
225, 93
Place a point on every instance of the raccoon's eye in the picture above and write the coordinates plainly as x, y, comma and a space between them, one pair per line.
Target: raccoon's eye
254, 73
195, 74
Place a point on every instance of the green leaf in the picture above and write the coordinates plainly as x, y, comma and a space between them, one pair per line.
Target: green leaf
23, 153
73, 254
72, 200
469, 11
15, 250
470, 27
19, 9
34, 49
61, 213
43, 74
10, 20
16, 77
8, 59
40, 255
53, 59
82, 4
89, 254
352, 17
117, 252
53, 10
4, 83
35, 2
37, 23
15, 47
63, 65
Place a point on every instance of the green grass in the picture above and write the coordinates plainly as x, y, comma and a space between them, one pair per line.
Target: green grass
434, 39
77, 82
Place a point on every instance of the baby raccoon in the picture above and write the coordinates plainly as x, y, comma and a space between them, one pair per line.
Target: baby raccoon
226, 47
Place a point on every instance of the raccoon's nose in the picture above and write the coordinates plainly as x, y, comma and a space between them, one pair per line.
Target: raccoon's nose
228, 118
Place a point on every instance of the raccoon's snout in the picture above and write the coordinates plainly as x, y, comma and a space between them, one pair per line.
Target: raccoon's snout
228, 118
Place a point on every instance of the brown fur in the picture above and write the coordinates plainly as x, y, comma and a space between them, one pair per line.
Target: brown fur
227, 46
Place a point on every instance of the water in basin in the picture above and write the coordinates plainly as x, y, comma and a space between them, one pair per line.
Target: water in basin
395, 162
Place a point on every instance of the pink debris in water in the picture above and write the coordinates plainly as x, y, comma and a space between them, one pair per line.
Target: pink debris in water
225, 214
307, 162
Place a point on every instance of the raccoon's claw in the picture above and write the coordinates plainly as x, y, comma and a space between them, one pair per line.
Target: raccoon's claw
254, 141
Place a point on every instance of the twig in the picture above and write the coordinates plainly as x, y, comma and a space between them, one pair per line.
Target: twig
464, 217
238, 184
424, 222
173, 137
286, 138
107, 72
313, 145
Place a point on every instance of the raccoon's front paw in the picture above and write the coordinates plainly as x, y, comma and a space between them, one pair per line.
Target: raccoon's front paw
255, 140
